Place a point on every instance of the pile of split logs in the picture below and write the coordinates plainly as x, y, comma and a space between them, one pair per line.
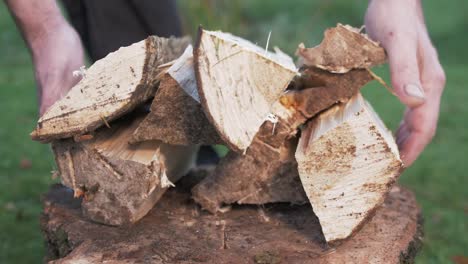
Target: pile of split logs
295, 134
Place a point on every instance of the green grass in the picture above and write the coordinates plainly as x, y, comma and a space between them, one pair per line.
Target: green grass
439, 178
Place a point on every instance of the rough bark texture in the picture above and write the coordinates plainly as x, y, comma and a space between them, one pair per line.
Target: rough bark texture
343, 48
235, 84
111, 87
347, 162
120, 182
259, 178
176, 116
268, 172
176, 231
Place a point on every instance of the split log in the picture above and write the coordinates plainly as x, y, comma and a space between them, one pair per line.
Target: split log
248, 179
176, 115
120, 183
235, 84
111, 87
343, 48
267, 172
175, 231
347, 162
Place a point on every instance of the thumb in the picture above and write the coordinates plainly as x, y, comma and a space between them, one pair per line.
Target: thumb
404, 69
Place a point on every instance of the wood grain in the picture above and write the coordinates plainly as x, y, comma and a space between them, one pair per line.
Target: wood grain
348, 160
235, 84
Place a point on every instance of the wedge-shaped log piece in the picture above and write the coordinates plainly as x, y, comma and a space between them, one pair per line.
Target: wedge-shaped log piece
347, 162
343, 48
267, 172
110, 88
238, 82
120, 182
176, 115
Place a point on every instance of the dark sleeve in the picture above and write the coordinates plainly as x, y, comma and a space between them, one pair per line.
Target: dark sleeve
106, 25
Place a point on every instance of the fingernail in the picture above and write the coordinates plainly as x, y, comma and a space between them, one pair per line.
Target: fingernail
414, 91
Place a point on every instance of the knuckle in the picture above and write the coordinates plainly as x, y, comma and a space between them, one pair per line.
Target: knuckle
440, 77
436, 79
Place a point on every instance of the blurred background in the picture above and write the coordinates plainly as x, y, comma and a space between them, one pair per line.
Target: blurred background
439, 178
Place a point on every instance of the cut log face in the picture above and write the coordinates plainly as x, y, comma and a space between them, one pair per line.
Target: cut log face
267, 172
111, 87
347, 163
235, 84
343, 48
120, 182
176, 115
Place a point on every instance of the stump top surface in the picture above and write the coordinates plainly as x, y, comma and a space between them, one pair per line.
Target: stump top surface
177, 231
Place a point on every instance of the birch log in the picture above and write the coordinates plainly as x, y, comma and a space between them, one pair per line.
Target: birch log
111, 87
176, 115
347, 162
238, 82
120, 183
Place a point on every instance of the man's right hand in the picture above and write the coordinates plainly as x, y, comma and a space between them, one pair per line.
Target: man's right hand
56, 55
55, 47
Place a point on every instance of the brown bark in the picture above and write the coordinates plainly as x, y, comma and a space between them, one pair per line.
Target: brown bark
343, 48
176, 116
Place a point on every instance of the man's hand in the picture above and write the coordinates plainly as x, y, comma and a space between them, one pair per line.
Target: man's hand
55, 57
417, 76
55, 47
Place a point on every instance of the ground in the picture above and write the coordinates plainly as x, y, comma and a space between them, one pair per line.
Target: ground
438, 178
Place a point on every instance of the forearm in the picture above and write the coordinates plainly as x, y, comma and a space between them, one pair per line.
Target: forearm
35, 18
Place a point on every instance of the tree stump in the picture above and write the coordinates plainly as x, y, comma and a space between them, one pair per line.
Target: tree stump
177, 231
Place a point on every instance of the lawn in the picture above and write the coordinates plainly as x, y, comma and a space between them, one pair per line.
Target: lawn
439, 178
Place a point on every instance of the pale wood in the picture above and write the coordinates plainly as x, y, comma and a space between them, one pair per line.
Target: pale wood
111, 87
120, 183
267, 172
176, 231
176, 115
184, 73
235, 84
347, 161
343, 48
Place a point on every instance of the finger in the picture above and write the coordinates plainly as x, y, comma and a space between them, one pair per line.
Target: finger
402, 134
418, 129
421, 122
404, 68
432, 74
412, 147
